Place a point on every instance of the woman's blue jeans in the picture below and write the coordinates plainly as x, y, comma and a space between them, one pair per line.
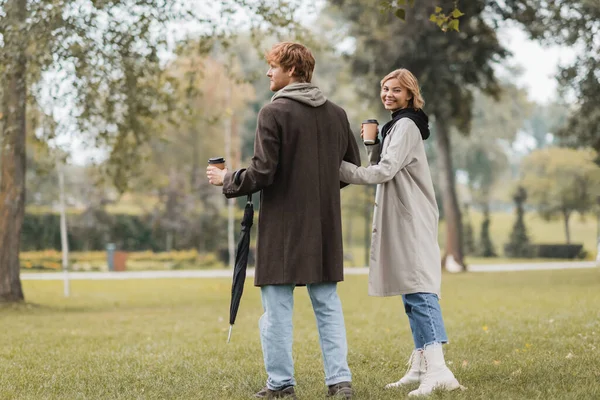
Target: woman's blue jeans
425, 318
276, 333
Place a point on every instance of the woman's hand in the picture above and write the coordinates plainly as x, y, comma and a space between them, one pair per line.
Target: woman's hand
362, 132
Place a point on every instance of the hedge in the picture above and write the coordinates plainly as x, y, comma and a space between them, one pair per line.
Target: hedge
128, 232
97, 260
545, 250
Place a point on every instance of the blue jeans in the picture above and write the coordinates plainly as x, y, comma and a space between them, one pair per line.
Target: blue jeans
425, 318
276, 333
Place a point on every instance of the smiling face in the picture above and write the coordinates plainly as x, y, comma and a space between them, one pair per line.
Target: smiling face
394, 96
279, 77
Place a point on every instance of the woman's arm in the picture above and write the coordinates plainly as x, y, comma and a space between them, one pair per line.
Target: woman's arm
403, 138
373, 152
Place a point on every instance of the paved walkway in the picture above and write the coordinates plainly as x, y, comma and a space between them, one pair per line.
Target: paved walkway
226, 273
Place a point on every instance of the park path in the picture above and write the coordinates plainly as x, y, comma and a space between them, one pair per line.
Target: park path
226, 273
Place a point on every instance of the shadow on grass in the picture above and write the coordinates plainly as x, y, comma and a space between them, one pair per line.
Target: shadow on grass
33, 309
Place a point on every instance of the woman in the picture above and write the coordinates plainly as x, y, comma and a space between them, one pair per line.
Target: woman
405, 256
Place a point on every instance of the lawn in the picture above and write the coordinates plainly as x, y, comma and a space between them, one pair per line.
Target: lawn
523, 335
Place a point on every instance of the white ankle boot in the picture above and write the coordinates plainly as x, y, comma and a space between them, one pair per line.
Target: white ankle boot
415, 372
437, 375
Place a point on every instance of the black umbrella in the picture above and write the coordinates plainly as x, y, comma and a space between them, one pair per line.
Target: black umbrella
241, 262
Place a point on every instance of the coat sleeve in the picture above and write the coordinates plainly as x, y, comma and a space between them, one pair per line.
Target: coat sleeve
261, 171
352, 153
403, 138
373, 152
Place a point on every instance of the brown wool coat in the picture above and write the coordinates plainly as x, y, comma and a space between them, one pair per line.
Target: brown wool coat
298, 149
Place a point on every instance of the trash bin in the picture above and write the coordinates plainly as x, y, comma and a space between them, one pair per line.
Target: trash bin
120, 260
110, 256
116, 260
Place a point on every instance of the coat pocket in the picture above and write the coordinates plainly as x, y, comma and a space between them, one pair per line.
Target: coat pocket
402, 210
405, 230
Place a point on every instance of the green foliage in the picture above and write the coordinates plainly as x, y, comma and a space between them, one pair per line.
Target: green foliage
482, 154
486, 247
562, 251
444, 21
128, 232
548, 119
561, 181
108, 52
468, 234
382, 45
98, 260
575, 24
518, 245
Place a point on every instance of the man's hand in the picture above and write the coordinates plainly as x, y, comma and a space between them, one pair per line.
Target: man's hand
215, 175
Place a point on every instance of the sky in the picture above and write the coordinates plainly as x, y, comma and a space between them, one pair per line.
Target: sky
539, 63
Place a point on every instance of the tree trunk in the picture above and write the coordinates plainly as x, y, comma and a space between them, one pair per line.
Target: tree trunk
169, 241
12, 142
566, 216
452, 214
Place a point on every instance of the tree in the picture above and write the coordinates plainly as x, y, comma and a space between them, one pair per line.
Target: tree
186, 138
109, 50
448, 65
518, 245
545, 122
12, 175
486, 247
468, 238
482, 154
572, 23
561, 181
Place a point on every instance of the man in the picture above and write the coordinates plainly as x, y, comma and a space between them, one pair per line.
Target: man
301, 140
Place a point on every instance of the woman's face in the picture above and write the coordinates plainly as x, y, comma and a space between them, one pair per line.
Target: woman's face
394, 96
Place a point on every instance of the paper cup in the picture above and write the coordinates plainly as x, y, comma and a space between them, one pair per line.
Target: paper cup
218, 162
369, 128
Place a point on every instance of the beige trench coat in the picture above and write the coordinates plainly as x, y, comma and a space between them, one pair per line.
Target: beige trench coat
405, 255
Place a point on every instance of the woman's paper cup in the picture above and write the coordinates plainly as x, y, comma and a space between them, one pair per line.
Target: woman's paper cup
369, 128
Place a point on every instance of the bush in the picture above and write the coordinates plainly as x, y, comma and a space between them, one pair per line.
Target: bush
92, 232
518, 246
486, 247
569, 251
468, 234
97, 260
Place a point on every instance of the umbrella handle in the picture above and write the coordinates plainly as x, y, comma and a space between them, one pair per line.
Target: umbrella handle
229, 336
249, 199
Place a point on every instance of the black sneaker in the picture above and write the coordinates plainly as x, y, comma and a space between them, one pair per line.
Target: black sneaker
342, 389
267, 393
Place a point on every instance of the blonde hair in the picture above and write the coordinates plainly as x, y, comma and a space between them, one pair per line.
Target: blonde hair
410, 83
289, 55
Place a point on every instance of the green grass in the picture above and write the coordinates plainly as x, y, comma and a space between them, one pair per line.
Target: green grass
525, 335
